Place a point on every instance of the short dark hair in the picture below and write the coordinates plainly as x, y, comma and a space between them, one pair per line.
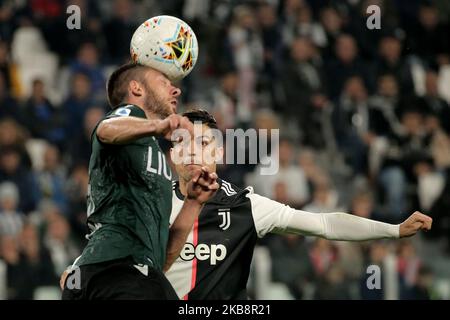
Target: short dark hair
202, 116
117, 86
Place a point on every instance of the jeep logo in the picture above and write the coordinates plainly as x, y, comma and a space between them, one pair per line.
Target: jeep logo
214, 252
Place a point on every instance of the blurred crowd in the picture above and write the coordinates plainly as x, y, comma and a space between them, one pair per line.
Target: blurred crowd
364, 120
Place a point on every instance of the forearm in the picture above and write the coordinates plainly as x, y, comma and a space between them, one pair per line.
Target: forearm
122, 130
340, 226
180, 229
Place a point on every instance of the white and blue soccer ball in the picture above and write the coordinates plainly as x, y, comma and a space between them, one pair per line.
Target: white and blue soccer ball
167, 44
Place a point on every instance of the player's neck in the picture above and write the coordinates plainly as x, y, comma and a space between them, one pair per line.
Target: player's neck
152, 115
149, 112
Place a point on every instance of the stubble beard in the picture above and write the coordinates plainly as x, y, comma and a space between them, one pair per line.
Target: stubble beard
156, 104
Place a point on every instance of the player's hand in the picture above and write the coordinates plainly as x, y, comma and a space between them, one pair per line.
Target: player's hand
202, 186
62, 279
417, 221
173, 122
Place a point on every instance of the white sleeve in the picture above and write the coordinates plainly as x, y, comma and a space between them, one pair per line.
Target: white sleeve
272, 216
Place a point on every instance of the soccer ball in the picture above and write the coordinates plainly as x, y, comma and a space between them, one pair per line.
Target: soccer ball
166, 44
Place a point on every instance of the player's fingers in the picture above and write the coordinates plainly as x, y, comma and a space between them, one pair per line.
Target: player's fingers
203, 182
205, 173
213, 176
196, 175
186, 124
424, 219
214, 186
174, 122
205, 169
209, 176
417, 225
427, 224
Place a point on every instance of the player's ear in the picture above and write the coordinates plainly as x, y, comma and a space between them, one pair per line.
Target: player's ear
135, 88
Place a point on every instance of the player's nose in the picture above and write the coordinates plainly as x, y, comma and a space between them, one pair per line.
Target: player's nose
176, 92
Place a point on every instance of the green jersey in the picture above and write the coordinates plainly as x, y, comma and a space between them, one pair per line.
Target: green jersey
129, 199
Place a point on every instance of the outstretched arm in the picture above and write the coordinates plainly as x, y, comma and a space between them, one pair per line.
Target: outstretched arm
343, 226
272, 216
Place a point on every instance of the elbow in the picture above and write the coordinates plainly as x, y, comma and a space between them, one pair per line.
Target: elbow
103, 133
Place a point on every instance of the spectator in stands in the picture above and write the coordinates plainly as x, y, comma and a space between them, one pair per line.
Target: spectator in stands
288, 173
324, 199
119, 30
305, 26
11, 220
433, 192
10, 256
351, 124
9, 108
80, 151
77, 188
323, 254
433, 104
363, 206
52, 177
247, 52
303, 83
57, 240
333, 285
34, 268
439, 142
390, 61
7, 24
315, 174
271, 42
345, 65
290, 263
28, 264
226, 101
43, 119
402, 151
13, 135
87, 62
430, 38
79, 100
333, 23
384, 107
423, 288
408, 265
8, 70
12, 169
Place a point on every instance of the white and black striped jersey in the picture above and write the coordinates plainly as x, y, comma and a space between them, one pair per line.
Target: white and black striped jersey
215, 261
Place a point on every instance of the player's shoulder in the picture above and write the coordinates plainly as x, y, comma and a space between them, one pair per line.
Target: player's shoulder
229, 193
126, 110
122, 110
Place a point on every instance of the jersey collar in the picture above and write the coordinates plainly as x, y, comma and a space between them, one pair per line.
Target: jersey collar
176, 188
138, 111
